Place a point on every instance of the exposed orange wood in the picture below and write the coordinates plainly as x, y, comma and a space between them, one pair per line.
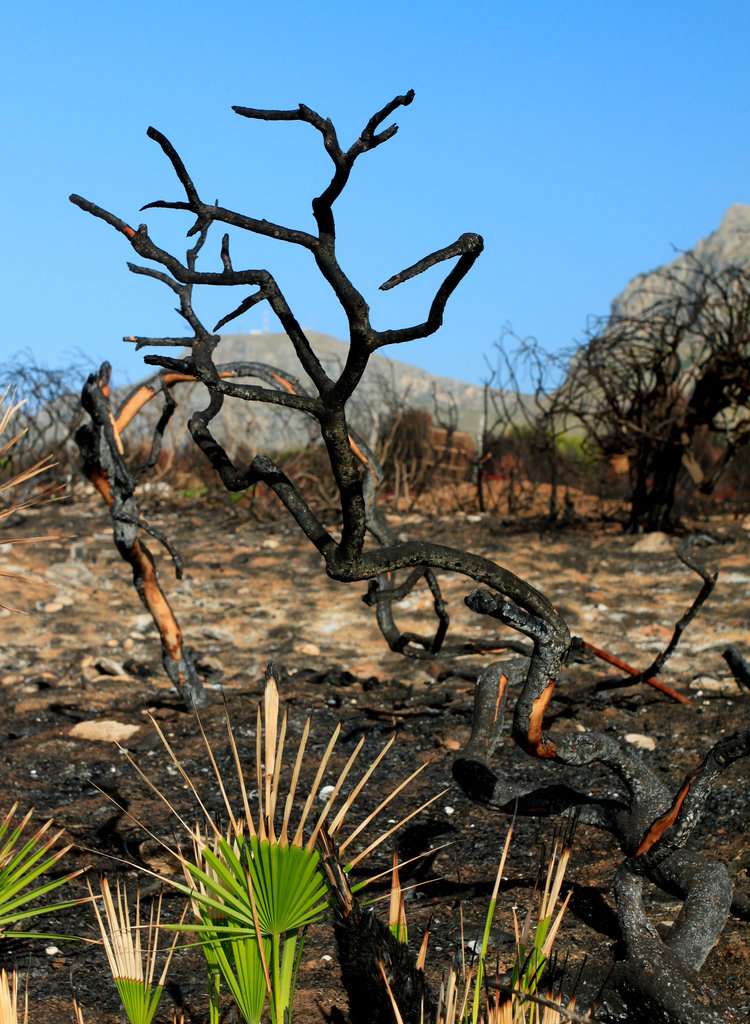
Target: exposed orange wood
500, 692
156, 602
284, 383
535, 743
363, 458
612, 660
144, 395
153, 597
661, 825
101, 482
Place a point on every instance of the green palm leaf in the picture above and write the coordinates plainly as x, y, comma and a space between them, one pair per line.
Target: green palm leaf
22, 863
254, 890
122, 943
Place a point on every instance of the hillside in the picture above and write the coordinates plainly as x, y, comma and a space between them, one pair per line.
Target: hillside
388, 384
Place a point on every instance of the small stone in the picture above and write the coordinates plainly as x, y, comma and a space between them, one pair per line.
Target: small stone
217, 633
311, 650
51, 950
651, 543
109, 667
52, 607
707, 684
324, 792
105, 730
449, 810
637, 739
78, 551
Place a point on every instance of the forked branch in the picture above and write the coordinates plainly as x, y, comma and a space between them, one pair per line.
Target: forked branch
366, 549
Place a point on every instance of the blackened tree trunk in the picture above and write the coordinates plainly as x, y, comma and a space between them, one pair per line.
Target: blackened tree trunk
652, 503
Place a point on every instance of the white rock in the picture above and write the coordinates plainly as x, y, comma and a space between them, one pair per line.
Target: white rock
217, 633
639, 740
110, 667
106, 730
312, 650
651, 543
324, 792
707, 684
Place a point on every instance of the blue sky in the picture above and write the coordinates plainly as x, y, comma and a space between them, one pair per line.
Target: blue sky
581, 139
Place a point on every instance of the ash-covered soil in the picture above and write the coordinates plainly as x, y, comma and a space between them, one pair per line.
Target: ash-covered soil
87, 652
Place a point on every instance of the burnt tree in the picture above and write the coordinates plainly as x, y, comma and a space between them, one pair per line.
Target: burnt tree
655, 825
665, 381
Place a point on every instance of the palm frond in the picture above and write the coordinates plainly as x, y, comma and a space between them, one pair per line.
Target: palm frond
124, 949
256, 885
9, 1000
23, 860
469, 996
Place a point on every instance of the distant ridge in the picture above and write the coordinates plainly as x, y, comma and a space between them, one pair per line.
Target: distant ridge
386, 384
728, 245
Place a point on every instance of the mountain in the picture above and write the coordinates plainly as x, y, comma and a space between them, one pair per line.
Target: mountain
387, 386
728, 246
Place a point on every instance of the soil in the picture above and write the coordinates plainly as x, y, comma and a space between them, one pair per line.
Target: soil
86, 652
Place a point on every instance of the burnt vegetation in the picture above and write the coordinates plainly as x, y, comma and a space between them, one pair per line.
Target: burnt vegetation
669, 407
664, 383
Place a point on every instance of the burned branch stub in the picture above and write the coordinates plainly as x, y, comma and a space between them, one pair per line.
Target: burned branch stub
366, 549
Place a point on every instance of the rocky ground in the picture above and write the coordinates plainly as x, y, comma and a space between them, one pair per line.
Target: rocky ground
81, 666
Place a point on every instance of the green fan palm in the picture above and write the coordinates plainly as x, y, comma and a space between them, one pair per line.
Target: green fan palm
257, 887
23, 860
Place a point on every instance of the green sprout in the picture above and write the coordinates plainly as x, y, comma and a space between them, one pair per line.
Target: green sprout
471, 997
124, 948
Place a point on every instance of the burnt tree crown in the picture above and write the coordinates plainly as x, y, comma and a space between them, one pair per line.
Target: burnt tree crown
652, 825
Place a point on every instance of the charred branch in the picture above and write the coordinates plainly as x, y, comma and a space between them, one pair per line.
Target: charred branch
104, 465
650, 810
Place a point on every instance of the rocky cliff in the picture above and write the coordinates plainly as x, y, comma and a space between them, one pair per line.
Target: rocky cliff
729, 245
